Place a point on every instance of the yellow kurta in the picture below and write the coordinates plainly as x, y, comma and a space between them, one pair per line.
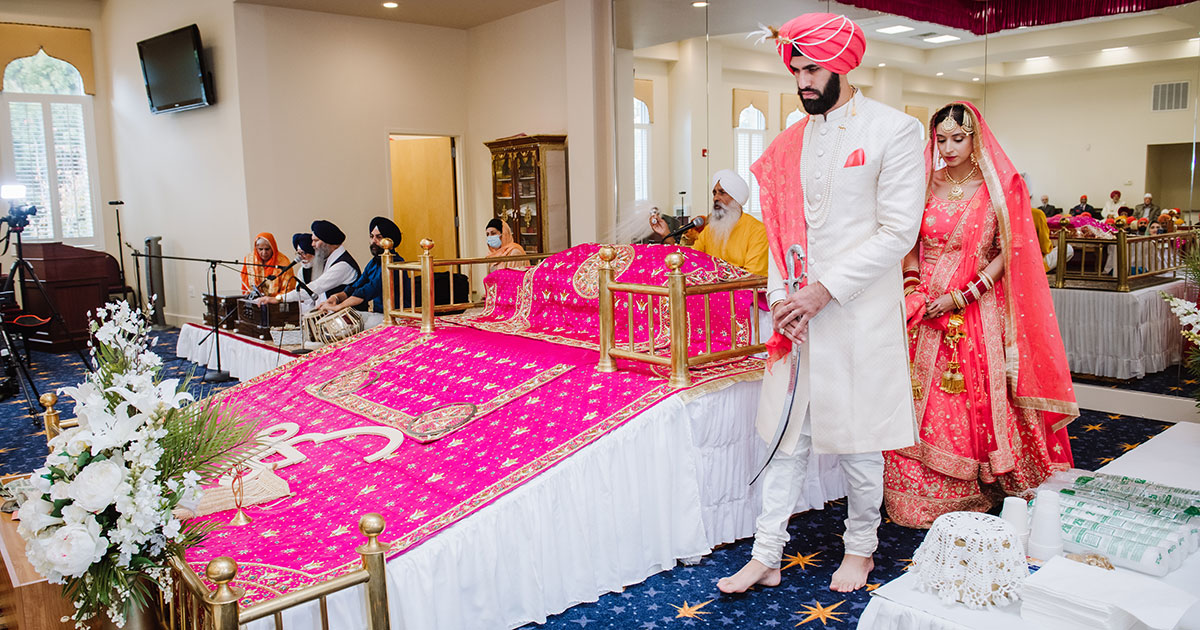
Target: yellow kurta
1043, 233
746, 246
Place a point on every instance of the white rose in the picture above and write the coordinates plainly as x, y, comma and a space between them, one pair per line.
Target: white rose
95, 488
71, 549
35, 516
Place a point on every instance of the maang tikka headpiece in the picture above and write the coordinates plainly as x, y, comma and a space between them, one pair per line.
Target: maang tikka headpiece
948, 123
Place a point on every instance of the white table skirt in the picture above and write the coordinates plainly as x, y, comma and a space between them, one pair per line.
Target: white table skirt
242, 357
1119, 335
1168, 458
668, 485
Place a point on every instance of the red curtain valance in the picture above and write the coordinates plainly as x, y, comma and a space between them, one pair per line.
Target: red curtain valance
983, 17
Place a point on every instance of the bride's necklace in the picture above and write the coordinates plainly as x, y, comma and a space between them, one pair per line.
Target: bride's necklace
956, 189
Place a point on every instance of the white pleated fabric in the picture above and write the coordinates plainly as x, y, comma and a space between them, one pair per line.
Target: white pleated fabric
1119, 335
668, 485
241, 358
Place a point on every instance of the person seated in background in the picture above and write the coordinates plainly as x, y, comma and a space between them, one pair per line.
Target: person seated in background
311, 267
1084, 207
265, 270
729, 234
1047, 208
500, 243
339, 269
1113, 204
368, 288
1148, 209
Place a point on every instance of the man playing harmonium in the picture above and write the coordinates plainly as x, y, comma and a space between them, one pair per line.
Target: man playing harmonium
339, 268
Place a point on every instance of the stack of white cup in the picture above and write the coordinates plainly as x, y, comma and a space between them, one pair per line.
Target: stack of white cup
1045, 535
1016, 512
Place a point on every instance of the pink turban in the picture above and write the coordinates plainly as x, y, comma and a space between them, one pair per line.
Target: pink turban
831, 41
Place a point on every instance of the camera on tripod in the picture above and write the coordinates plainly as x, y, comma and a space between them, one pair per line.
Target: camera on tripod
18, 216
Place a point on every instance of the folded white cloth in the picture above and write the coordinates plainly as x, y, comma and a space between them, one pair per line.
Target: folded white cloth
1068, 594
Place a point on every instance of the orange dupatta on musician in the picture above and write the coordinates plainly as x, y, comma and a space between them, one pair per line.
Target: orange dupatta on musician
253, 274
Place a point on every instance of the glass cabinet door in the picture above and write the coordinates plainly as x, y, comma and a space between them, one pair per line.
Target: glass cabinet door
528, 207
502, 189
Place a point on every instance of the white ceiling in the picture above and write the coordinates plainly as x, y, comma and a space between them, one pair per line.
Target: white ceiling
1073, 46
460, 14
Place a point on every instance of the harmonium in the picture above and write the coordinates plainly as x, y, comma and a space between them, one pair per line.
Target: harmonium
256, 320
222, 309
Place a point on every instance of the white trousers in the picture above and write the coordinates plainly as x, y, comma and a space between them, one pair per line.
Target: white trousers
783, 481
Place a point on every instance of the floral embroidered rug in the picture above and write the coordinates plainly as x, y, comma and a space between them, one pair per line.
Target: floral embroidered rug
422, 428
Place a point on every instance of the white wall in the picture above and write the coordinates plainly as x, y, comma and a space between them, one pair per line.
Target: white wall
181, 174
319, 95
1086, 133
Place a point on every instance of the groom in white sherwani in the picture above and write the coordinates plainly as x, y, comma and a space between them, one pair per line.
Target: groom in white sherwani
847, 185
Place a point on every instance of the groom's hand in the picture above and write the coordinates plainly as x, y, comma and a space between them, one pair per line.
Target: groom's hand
793, 313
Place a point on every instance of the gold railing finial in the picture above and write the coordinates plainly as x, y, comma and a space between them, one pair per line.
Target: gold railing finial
677, 303
223, 602
426, 244
50, 419
387, 243
372, 525
674, 261
607, 253
372, 554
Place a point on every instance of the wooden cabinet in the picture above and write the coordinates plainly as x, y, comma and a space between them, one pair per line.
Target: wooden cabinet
529, 190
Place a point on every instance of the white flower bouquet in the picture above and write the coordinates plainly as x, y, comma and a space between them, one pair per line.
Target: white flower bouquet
101, 516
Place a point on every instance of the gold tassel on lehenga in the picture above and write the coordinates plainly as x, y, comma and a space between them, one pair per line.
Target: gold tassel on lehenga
952, 378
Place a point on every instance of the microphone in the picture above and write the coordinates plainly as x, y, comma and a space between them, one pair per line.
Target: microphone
281, 271
698, 222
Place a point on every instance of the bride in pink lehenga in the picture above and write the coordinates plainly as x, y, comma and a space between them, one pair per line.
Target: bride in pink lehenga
990, 378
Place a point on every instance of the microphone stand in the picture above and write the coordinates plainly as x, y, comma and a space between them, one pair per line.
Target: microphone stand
218, 375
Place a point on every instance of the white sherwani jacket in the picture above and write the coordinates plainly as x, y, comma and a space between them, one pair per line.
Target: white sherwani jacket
861, 221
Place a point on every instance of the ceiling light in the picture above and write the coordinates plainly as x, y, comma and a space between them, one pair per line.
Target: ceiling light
894, 30
940, 73
1194, 39
881, 64
1113, 49
390, 5
700, 4
975, 79
1037, 58
942, 39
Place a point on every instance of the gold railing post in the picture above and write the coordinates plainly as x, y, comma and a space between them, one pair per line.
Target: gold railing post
680, 377
223, 602
427, 285
1122, 261
1060, 269
50, 416
608, 325
385, 278
372, 553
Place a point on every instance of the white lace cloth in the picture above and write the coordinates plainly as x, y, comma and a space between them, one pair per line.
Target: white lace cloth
972, 558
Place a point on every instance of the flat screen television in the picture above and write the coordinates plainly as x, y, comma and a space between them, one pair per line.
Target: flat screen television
174, 70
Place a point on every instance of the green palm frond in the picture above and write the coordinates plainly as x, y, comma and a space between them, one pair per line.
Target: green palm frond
207, 438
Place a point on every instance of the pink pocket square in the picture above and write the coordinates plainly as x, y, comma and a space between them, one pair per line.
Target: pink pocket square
857, 158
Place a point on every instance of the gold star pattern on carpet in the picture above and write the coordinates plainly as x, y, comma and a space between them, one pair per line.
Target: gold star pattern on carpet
1093, 427
873, 585
1129, 447
1105, 460
1114, 416
907, 563
689, 611
801, 560
1189, 381
819, 612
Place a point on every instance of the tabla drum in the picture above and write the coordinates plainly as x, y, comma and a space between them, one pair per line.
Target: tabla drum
321, 328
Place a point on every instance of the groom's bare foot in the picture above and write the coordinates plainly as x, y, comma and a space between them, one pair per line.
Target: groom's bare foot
753, 573
852, 575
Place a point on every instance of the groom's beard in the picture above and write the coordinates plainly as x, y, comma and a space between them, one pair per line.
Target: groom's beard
825, 98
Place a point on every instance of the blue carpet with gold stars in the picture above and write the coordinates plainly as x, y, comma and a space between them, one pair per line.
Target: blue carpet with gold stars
1173, 381
22, 438
685, 596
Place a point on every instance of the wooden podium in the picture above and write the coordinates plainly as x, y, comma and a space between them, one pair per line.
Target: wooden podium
76, 280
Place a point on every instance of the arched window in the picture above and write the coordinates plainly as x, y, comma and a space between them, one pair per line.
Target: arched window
796, 116
749, 140
641, 150
48, 143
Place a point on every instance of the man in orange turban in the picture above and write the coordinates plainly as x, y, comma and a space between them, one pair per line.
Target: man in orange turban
842, 194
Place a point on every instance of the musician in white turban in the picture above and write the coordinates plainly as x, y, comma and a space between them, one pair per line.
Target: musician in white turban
729, 233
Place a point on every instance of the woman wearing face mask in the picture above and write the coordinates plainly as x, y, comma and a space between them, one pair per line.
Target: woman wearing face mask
263, 262
500, 243
990, 380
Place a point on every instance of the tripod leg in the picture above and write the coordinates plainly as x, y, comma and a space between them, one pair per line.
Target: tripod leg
54, 314
24, 379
